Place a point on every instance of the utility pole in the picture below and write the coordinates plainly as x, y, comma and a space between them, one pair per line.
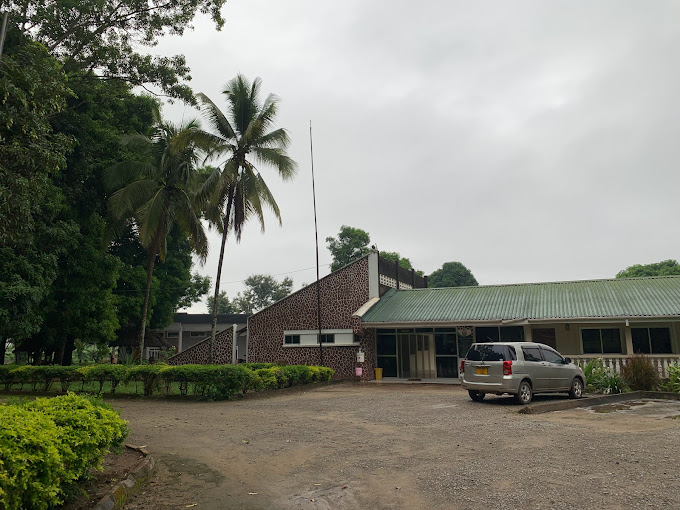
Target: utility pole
316, 234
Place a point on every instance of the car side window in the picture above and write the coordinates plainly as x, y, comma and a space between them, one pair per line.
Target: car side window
552, 356
532, 354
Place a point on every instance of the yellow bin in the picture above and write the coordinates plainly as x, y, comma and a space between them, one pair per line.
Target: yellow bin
378, 374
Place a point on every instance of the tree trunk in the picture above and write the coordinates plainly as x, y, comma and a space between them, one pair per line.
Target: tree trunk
145, 309
211, 358
59, 353
3, 349
67, 356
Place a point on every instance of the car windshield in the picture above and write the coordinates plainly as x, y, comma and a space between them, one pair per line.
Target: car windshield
491, 352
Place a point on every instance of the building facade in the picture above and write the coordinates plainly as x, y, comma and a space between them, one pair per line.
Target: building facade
377, 315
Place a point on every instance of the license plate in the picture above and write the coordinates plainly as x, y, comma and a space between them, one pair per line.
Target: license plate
482, 371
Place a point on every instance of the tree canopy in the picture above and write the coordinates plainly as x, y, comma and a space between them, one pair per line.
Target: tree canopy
668, 267
452, 274
101, 39
66, 101
350, 244
261, 291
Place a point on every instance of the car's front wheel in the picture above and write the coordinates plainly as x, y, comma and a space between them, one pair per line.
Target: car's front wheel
525, 393
576, 390
477, 396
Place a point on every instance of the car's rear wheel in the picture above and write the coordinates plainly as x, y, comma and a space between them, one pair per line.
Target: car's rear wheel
525, 393
576, 390
477, 396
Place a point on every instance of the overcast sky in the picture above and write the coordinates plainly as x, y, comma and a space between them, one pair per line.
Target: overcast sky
531, 141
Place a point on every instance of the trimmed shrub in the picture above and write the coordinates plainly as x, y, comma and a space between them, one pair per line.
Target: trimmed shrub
212, 381
258, 366
182, 375
148, 375
88, 429
48, 444
640, 374
30, 463
113, 374
267, 379
26, 374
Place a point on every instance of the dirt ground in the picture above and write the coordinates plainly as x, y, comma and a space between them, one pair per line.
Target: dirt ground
348, 446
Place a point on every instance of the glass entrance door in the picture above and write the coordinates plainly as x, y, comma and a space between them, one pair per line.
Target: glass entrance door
415, 354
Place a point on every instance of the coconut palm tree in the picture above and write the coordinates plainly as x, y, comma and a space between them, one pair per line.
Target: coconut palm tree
244, 136
154, 192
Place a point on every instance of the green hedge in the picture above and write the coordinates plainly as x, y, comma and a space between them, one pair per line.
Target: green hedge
48, 444
210, 381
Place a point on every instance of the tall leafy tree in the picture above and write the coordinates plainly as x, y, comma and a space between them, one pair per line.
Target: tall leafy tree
102, 39
224, 304
155, 192
664, 268
350, 244
452, 274
261, 291
33, 88
245, 137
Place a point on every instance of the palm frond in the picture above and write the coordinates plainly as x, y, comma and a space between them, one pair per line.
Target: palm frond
217, 120
278, 158
190, 223
121, 174
125, 202
155, 217
278, 138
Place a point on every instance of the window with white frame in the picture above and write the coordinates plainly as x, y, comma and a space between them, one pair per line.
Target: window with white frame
601, 340
303, 338
651, 340
328, 338
291, 339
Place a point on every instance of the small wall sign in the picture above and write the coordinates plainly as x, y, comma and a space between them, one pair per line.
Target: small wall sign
464, 330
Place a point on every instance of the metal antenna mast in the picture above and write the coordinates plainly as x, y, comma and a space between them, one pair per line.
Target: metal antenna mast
316, 235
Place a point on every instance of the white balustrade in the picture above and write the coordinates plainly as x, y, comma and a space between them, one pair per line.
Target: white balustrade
615, 363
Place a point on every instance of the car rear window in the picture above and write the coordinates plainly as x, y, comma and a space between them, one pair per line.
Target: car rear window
491, 352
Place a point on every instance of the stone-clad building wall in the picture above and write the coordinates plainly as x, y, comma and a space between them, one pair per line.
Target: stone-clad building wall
342, 293
200, 353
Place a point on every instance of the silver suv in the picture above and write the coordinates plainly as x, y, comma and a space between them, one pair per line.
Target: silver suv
520, 369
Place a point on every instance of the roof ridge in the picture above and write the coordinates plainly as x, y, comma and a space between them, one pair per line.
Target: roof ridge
561, 282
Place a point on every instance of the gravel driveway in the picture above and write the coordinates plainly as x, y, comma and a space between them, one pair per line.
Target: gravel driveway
347, 446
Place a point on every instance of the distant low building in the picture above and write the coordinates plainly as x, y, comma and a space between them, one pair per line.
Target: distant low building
188, 329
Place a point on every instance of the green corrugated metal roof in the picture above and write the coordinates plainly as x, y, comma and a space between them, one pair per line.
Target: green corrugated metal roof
629, 297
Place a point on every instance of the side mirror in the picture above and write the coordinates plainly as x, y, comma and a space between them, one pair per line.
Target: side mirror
567, 361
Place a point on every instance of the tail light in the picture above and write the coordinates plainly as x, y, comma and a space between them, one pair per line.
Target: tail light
507, 368
462, 366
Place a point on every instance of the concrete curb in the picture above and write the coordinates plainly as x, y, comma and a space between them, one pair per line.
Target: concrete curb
123, 490
563, 405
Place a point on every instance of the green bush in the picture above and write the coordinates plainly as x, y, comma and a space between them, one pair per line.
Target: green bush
267, 379
258, 366
148, 375
88, 428
182, 375
48, 444
30, 463
673, 383
26, 374
640, 374
212, 381
113, 374
601, 379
